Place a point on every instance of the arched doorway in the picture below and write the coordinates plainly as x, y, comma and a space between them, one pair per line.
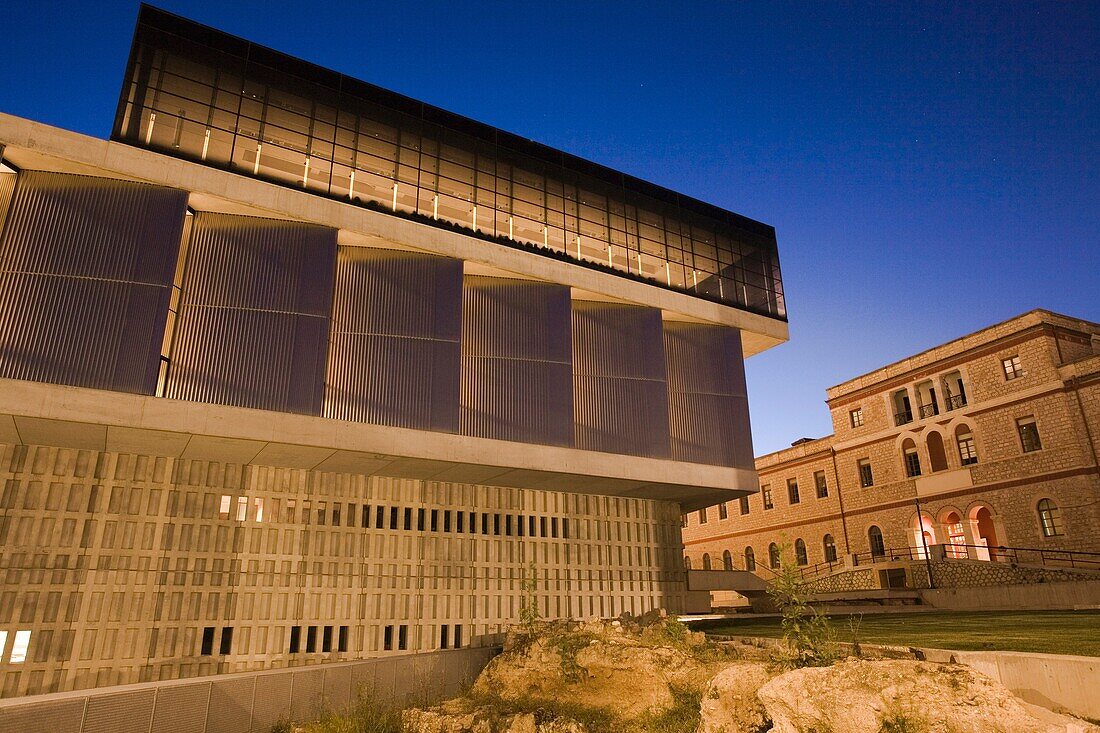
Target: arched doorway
937, 456
985, 532
956, 535
924, 535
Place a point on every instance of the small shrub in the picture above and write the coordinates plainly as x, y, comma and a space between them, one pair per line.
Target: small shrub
368, 716
680, 717
807, 634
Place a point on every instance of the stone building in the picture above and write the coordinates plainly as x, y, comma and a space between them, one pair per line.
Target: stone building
295, 369
994, 435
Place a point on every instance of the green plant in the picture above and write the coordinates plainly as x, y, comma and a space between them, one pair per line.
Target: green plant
806, 631
367, 716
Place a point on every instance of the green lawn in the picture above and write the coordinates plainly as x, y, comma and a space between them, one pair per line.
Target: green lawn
1052, 632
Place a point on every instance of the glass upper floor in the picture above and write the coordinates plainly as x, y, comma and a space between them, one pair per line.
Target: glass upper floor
204, 95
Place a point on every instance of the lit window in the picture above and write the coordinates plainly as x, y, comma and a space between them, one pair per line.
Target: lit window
744, 505
1012, 368
792, 491
1029, 434
866, 478
226, 505
242, 508
20, 646
1050, 518
820, 485
856, 416
258, 509
3, 643
968, 454
766, 493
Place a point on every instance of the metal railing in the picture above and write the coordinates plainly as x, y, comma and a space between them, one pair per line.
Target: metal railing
1037, 556
888, 555
929, 410
954, 402
901, 418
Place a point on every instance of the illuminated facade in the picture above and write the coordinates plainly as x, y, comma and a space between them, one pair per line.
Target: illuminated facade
296, 370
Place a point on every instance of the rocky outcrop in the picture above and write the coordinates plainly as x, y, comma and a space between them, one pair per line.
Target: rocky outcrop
860, 696
730, 703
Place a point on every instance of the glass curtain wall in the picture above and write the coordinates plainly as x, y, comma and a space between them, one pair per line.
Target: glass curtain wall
206, 101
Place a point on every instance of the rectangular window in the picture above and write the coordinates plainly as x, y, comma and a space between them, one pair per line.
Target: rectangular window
744, 503
387, 638
792, 491
1029, 434
226, 504
554, 527
496, 525
420, 520
766, 493
393, 517
683, 520
380, 518
342, 644
723, 512
295, 639
564, 528
403, 637
912, 463
820, 484
311, 639
444, 636
458, 637
434, 524
326, 639
207, 641
336, 514
531, 527
866, 478
258, 509
1012, 368
968, 454
702, 516
856, 416
227, 640
322, 512
408, 519
365, 519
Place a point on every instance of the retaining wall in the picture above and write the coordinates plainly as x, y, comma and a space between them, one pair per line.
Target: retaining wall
248, 702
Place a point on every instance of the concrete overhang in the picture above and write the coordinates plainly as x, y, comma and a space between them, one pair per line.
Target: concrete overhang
33, 413
35, 146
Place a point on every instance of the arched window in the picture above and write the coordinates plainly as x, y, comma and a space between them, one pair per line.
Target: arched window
878, 546
937, 457
750, 560
687, 563
800, 555
727, 560
912, 458
1050, 518
706, 561
968, 454
829, 544
773, 556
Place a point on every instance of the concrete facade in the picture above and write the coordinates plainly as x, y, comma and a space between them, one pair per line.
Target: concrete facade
249, 421
1040, 367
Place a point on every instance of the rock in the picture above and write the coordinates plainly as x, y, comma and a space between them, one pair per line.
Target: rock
562, 725
730, 704
871, 696
522, 723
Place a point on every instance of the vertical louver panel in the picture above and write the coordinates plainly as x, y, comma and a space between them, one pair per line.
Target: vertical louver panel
7, 188
85, 275
516, 361
620, 390
708, 406
254, 315
394, 353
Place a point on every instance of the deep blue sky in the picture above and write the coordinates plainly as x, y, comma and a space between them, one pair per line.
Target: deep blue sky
929, 169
